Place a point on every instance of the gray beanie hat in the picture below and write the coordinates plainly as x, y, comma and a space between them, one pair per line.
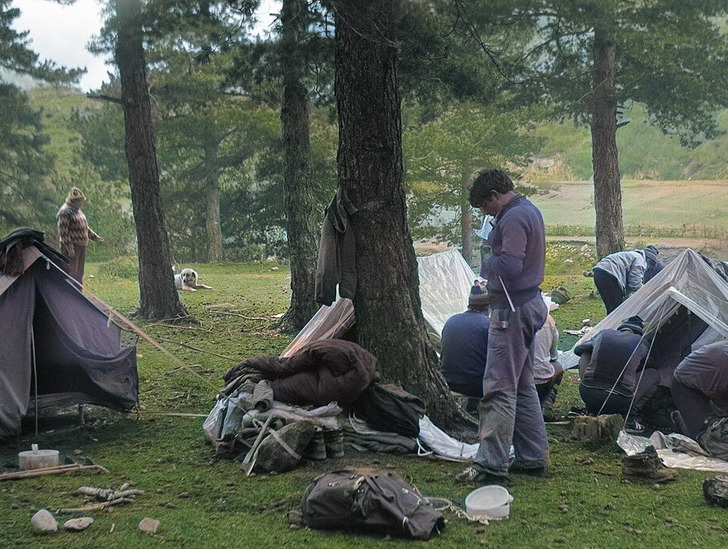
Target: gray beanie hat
634, 324
651, 254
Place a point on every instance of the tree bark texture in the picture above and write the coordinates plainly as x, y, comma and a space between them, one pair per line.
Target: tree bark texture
303, 222
605, 157
212, 198
387, 303
158, 296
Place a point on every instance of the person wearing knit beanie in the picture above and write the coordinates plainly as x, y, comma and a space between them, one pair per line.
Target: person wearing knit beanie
74, 233
654, 265
613, 371
634, 324
464, 348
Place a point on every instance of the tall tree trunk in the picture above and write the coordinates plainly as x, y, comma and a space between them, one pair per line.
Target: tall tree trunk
605, 156
466, 220
212, 196
387, 303
158, 296
302, 221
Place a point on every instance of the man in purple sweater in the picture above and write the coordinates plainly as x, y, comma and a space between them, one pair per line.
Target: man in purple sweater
510, 412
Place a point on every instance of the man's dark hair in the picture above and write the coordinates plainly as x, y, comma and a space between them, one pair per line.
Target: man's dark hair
487, 181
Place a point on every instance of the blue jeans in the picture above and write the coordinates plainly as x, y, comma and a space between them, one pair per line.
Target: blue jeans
510, 411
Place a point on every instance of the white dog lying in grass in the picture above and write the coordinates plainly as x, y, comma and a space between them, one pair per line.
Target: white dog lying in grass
187, 279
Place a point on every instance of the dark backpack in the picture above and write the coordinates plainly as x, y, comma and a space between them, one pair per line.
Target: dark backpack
366, 500
389, 408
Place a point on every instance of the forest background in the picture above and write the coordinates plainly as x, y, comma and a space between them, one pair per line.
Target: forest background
669, 191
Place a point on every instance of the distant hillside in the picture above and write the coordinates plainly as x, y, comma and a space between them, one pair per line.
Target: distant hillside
57, 104
644, 153
677, 208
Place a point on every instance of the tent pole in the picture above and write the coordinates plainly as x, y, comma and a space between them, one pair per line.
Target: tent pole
35, 376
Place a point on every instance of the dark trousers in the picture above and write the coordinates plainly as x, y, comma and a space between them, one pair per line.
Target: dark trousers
547, 391
609, 289
695, 407
78, 261
603, 401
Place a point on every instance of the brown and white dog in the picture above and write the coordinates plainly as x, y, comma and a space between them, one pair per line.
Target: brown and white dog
187, 279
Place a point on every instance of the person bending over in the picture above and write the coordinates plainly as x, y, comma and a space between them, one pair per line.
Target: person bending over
700, 387
613, 373
619, 275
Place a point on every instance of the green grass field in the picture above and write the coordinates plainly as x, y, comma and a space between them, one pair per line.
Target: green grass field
685, 209
202, 502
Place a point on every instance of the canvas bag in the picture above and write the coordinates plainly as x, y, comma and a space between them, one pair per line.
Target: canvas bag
715, 438
366, 500
389, 408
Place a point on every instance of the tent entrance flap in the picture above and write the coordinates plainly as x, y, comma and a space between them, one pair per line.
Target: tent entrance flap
700, 311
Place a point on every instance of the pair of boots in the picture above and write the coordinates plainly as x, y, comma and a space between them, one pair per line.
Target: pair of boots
326, 443
645, 467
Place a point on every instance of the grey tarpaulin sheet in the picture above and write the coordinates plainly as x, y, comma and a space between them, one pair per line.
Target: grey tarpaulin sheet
677, 451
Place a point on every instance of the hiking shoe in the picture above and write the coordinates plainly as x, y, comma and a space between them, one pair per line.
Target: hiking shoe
548, 414
542, 472
652, 477
316, 449
633, 427
479, 476
645, 467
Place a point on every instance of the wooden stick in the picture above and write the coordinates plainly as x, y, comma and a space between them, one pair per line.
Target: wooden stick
108, 494
51, 471
96, 506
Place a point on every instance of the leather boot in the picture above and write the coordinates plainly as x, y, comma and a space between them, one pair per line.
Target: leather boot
646, 467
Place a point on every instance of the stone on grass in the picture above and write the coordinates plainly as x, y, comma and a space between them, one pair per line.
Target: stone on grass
78, 524
149, 525
715, 490
43, 522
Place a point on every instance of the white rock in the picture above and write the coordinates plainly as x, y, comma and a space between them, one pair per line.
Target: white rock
149, 525
43, 522
78, 524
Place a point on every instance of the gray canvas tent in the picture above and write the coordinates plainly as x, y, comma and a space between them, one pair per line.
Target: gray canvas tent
683, 307
445, 282
56, 347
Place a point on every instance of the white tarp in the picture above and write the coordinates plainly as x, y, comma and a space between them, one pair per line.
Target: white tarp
688, 280
445, 282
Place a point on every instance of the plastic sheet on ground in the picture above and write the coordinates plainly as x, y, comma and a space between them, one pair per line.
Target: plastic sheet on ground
676, 451
442, 444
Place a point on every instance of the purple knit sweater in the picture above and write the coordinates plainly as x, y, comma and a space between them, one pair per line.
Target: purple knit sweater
518, 241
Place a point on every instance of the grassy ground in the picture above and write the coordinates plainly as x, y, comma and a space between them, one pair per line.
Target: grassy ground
202, 502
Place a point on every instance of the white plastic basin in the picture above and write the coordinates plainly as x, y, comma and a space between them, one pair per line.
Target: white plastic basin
490, 502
